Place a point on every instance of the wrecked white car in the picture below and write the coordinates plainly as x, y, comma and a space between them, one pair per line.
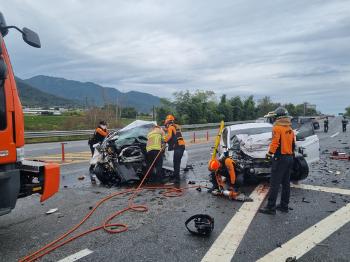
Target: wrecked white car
248, 145
121, 158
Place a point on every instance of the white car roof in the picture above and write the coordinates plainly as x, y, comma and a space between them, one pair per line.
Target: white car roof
249, 125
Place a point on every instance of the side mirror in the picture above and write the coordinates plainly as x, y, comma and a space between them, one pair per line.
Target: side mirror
3, 29
31, 38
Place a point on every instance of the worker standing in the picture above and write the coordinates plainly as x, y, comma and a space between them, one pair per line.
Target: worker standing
154, 145
344, 122
99, 135
281, 152
325, 125
176, 143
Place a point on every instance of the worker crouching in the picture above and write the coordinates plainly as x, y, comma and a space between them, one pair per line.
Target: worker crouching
154, 150
223, 178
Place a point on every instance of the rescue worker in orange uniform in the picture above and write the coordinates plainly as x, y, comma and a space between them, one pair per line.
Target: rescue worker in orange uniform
100, 133
223, 167
223, 178
175, 143
281, 153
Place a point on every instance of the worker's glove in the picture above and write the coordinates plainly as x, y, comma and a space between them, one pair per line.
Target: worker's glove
268, 156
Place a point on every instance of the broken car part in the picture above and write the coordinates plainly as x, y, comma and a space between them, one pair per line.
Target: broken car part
203, 225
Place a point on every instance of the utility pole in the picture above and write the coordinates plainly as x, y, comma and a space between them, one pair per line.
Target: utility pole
154, 114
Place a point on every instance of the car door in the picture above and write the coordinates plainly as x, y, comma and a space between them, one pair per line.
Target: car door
168, 160
310, 147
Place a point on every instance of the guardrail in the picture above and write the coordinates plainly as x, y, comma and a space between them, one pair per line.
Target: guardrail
44, 134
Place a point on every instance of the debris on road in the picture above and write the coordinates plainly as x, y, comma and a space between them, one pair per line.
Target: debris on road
202, 225
305, 201
60, 215
81, 177
51, 211
322, 245
291, 259
335, 155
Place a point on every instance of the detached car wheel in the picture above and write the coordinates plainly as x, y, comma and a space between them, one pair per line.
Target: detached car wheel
300, 169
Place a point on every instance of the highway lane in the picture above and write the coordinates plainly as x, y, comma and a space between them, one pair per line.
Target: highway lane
160, 235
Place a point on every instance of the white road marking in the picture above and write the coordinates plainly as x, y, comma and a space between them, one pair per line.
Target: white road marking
304, 242
323, 189
77, 256
225, 246
335, 134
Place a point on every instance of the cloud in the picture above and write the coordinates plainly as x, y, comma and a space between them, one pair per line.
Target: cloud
293, 51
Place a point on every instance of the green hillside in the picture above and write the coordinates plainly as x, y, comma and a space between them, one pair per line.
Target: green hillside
33, 97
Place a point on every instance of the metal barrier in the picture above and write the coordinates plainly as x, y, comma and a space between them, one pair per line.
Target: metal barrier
44, 134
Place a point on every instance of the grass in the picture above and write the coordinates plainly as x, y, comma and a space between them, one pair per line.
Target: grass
40, 123
62, 122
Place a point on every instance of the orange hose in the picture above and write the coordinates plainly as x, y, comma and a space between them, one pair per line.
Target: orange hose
107, 225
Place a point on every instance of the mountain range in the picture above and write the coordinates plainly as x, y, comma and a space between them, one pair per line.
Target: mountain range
53, 91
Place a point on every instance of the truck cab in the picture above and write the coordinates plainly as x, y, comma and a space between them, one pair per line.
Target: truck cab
18, 177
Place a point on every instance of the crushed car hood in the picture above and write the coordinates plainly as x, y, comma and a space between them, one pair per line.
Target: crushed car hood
255, 146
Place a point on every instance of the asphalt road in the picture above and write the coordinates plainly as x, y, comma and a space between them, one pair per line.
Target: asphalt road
159, 234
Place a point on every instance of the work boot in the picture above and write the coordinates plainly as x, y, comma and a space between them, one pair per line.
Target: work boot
268, 210
283, 209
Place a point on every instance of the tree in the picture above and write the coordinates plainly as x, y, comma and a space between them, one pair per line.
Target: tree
347, 111
128, 112
237, 108
166, 107
265, 105
225, 109
249, 109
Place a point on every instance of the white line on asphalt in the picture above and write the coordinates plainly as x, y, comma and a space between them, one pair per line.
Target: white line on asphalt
228, 241
304, 242
77, 256
335, 134
323, 189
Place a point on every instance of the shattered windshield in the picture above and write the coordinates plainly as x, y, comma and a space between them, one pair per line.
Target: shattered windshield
134, 135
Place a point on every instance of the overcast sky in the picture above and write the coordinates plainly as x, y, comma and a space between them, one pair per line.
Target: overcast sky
293, 51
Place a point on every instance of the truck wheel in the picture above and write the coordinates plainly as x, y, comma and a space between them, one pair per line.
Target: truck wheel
300, 169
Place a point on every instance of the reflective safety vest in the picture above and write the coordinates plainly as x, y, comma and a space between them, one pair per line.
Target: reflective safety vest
154, 140
174, 137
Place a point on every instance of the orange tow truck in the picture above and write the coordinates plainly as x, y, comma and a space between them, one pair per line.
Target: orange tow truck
18, 177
